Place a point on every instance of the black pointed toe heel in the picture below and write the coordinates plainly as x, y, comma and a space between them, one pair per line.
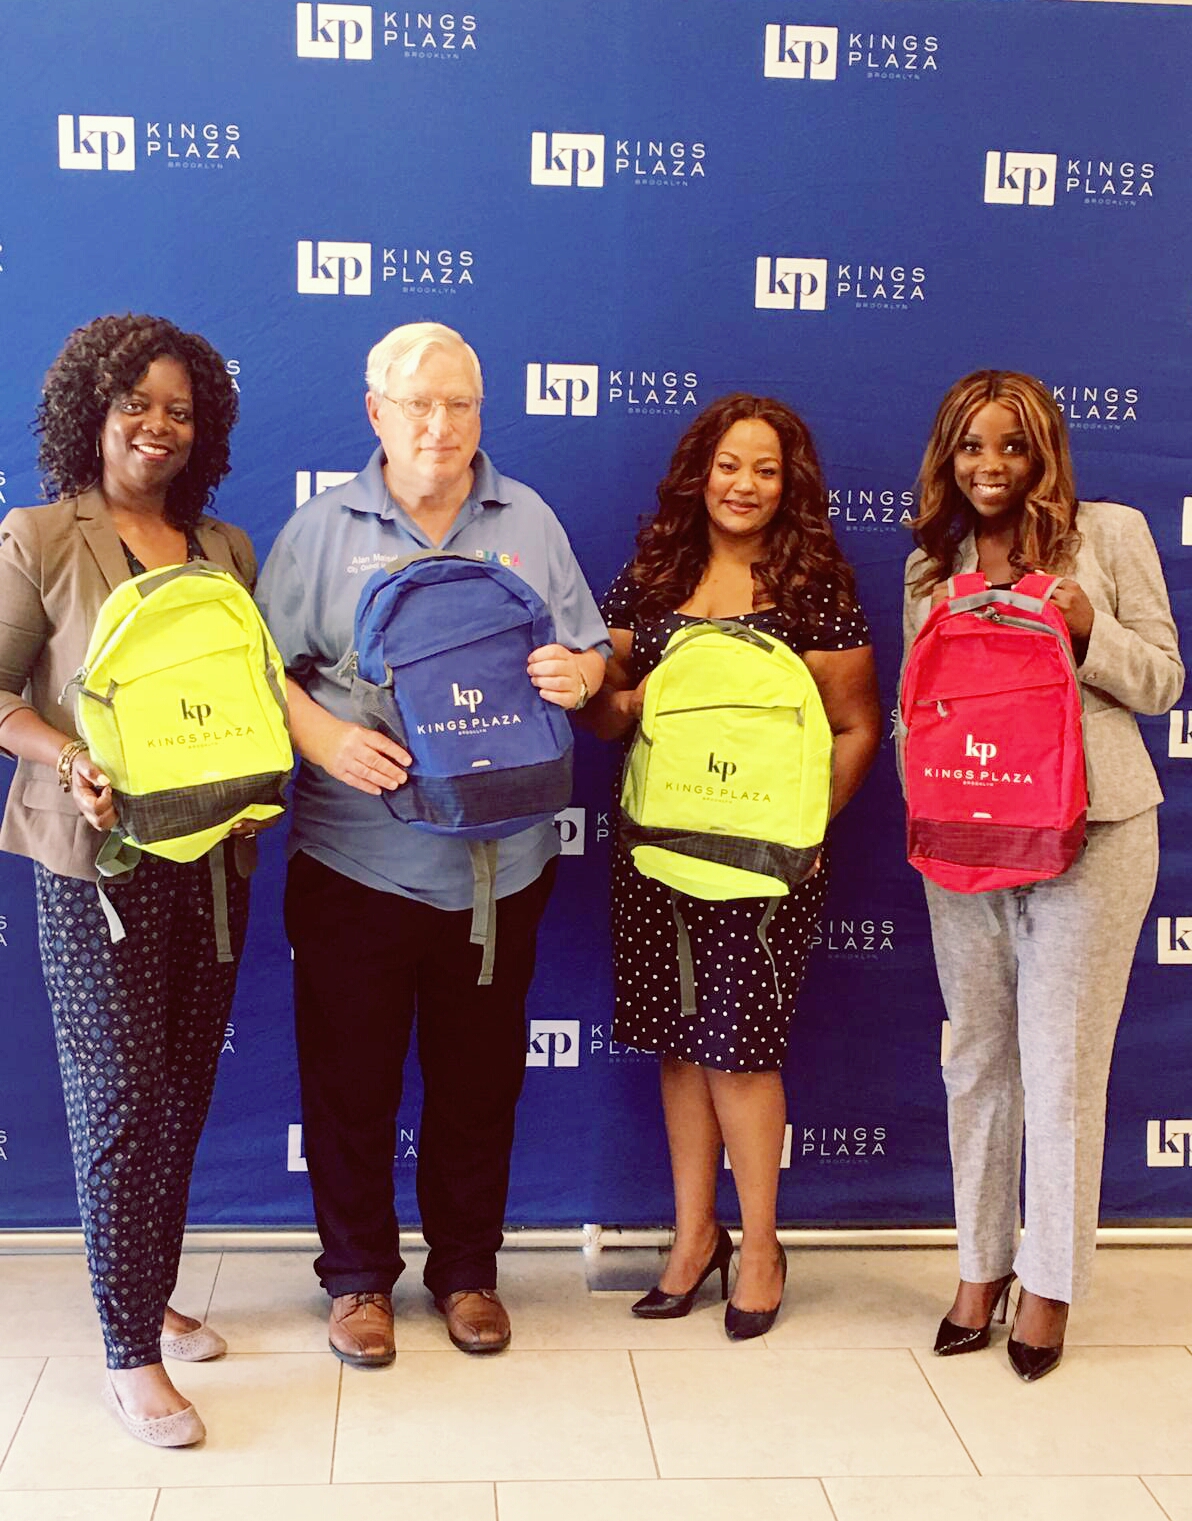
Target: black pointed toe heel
657, 1305
744, 1325
1032, 1363
952, 1340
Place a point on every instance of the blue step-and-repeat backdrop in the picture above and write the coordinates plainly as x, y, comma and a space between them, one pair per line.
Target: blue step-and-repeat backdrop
630, 209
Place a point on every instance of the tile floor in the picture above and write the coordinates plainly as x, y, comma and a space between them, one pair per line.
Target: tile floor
840, 1414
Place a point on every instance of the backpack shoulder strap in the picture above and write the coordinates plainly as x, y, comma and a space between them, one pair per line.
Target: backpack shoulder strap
967, 585
1036, 584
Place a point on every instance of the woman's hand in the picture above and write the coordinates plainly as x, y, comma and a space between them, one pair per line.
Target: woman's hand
1069, 597
557, 674
248, 829
362, 758
634, 700
91, 793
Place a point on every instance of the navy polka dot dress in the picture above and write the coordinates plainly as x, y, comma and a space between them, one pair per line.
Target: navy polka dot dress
743, 1009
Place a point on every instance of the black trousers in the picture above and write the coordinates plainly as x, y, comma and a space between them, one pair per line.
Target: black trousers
365, 962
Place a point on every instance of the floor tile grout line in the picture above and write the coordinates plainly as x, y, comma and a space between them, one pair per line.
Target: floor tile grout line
964, 1446
339, 1399
496, 1503
214, 1283
823, 1484
16, 1430
645, 1418
1162, 1508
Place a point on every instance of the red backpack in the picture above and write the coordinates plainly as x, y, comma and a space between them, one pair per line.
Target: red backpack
990, 739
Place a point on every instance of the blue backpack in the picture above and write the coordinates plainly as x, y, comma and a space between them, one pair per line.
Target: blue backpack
441, 643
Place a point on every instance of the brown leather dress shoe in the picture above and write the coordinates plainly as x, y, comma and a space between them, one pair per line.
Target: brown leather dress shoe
476, 1320
360, 1331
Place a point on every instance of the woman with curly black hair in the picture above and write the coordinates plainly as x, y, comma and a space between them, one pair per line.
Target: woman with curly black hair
741, 533
134, 422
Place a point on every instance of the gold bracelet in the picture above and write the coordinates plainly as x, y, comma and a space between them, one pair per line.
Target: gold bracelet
66, 760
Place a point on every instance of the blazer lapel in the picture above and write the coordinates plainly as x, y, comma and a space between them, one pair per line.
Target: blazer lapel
101, 538
212, 543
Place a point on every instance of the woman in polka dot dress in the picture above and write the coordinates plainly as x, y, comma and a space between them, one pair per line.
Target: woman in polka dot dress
741, 532
134, 422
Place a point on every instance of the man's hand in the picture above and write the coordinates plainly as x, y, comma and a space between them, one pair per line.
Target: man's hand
556, 673
363, 759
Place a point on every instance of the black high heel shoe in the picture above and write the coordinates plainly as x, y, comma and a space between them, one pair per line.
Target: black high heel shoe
1032, 1363
744, 1325
658, 1305
951, 1340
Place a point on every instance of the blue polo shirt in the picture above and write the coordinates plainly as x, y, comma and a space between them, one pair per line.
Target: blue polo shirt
308, 593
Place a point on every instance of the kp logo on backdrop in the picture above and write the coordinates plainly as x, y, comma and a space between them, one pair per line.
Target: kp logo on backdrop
553, 1043
333, 269
1169, 1143
553, 390
801, 52
335, 31
308, 483
1024, 179
571, 824
791, 284
97, 142
1179, 734
567, 158
1175, 942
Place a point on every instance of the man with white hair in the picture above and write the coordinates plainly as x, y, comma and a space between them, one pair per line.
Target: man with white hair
377, 912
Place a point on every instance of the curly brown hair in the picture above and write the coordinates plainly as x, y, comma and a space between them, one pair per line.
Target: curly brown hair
98, 365
1045, 536
673, 546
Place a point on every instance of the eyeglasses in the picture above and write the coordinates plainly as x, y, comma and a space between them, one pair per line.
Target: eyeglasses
419, 408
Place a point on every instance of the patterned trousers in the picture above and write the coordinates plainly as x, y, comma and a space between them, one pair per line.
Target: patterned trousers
138, 1027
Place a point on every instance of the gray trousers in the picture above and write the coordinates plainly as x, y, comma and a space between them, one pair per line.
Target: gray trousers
1034, 980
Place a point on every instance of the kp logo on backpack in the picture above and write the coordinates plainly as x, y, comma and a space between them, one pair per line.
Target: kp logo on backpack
180, 700
990, 740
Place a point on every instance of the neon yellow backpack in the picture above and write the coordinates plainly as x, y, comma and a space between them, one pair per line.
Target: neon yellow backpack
181, 702
727, 786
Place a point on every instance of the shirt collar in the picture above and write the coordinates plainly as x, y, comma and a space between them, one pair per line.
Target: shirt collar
367, 492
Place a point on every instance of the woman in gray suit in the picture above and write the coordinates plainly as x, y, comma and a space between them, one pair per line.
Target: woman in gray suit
1034, 978
134, 423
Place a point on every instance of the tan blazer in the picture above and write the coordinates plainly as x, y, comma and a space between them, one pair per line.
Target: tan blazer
1133, 660
57, 566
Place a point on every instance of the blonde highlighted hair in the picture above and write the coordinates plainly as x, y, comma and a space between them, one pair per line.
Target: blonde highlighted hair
1045, 536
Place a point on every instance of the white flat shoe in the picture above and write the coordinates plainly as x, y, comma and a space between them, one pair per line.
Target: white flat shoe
197, 1346
182, 1429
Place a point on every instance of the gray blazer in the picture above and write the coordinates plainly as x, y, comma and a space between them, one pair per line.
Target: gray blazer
57, 566
1133, 661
